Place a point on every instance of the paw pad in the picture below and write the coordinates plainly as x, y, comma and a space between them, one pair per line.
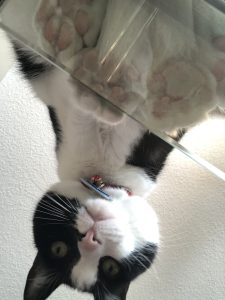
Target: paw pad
177, 91
65, 27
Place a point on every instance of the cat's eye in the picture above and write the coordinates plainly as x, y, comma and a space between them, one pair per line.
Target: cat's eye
110, 267
59, 249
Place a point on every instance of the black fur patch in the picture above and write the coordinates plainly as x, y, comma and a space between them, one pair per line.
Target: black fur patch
54, 220
140, 260
55, 125
131, 267
28, 65
150, 154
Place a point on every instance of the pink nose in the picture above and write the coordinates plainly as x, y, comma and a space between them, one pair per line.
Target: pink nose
89, 242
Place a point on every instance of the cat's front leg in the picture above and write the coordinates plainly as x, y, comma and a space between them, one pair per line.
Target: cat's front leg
68, 30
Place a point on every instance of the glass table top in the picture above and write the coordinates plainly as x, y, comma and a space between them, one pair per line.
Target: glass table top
161, 63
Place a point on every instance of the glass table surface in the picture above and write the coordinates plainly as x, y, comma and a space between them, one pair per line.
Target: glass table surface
165, 82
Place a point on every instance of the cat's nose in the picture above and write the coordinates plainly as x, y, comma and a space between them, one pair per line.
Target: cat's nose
89, 241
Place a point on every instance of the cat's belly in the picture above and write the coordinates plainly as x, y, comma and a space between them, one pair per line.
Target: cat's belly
89, 147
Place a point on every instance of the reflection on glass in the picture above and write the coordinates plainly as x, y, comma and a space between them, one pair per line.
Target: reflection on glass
162, 63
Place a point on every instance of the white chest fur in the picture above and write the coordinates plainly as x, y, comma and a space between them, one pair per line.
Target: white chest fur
89, 146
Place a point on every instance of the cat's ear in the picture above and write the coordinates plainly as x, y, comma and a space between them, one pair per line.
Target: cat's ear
123, 291
41, 281
120, 293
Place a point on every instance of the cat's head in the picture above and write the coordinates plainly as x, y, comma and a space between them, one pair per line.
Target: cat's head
89, 243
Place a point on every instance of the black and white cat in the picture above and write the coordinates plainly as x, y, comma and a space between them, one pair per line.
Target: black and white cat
85, 241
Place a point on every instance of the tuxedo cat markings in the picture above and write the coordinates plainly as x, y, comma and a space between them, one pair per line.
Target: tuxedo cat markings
83, 240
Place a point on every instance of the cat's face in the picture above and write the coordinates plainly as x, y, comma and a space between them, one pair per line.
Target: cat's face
91, 244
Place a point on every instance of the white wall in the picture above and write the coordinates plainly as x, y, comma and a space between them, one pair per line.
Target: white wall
189, 201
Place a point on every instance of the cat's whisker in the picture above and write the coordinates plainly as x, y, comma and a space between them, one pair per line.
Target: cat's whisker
51, 209
145, 258
52, 199
174, 242
135, 258
127, 263
54, 223
144, 267
173, 239
167, 239
50, 219
51, 212
77, 203
174, 234
100, 293
108, 292
54, 281
66, 203
55, 215
178, 245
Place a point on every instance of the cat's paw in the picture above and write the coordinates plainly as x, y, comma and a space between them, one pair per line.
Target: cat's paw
180, 94
65, 27
117, 86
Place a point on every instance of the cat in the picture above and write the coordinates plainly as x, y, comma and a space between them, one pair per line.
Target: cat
95, 230
98, 239
85, 241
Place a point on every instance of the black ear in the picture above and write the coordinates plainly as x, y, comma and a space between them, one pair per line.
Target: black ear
123, 292
118, 293
41, 281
